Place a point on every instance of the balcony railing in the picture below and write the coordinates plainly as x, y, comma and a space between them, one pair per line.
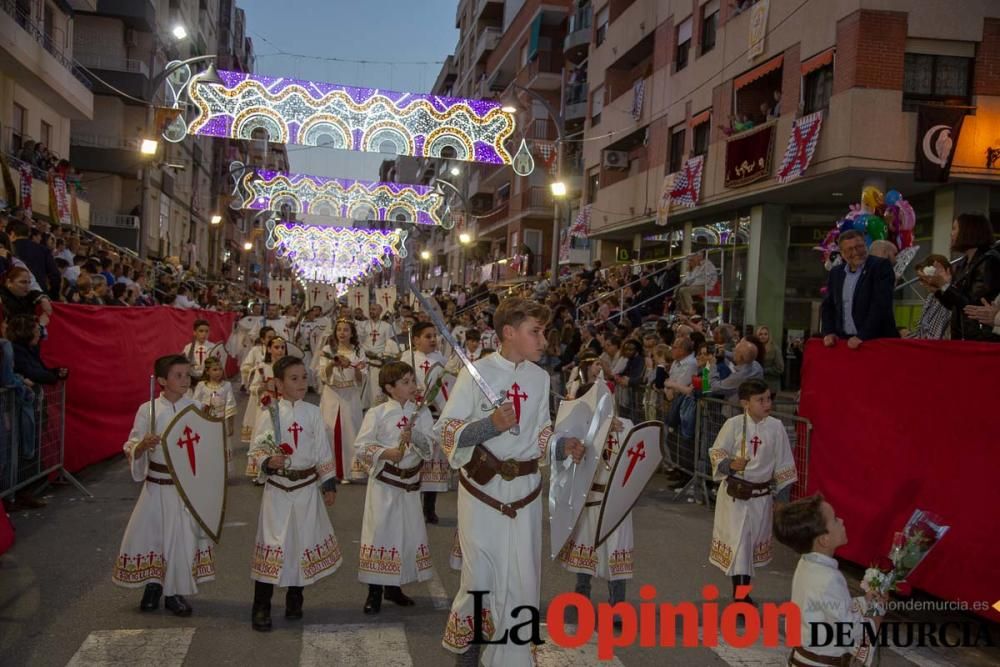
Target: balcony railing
487, 42
114, 220
23, 19
113, 63
103, 141
576, 93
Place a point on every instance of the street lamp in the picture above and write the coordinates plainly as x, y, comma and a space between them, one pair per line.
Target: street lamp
248, 246
558, 189
455, 171
216, 219
179, 32
149, 146
464, 239
425, 255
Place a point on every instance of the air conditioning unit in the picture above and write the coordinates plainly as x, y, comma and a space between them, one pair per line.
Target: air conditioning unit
615, 160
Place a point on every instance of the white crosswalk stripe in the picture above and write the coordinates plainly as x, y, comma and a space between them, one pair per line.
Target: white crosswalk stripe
139, 648
367, 644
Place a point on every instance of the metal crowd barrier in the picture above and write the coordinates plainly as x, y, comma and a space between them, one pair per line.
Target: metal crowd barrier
32, 439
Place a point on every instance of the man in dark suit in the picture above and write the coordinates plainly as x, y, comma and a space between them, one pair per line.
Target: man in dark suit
35, 256
858, 302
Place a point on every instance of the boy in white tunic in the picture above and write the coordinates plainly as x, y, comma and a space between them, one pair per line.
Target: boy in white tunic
199, 349
163, 549
752, 459
428, 365
295, 544
374, 334
395, 438
812, 528
499, 506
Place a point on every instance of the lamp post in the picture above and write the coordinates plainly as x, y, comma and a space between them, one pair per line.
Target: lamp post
465, 240
558, 187
150, 145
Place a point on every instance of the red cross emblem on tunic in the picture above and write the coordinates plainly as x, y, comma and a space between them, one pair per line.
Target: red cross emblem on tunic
756, 442
401, 424
427, 367
201, 355
610, 445
374, 334
295, 429
637, 454
515, 394
189, 440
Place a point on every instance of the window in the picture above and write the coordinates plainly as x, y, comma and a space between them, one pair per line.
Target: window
676, 149
933, 78
709, 24
46, 135
593, 185
683, 44
602, 26
596, 106
701, 137
816, 89
17, 128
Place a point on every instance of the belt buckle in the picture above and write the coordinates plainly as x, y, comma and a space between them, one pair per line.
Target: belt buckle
509, 469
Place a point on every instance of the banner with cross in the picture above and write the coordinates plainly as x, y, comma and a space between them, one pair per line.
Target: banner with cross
801, 147
386, 297
548, 155
358, 297
280, 292
687, 183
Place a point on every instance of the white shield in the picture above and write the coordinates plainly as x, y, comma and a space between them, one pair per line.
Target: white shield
194, 445
441, 383
569, 483
632, 467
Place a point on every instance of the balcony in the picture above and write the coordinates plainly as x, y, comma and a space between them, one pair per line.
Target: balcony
114, 220
533, 200
495, 8
105, 154
487, 42
578, 34
135, 14
126, 74
40, 191
37, 62
542, 73
576, 101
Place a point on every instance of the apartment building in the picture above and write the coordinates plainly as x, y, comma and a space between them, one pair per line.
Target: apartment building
41, 88
864, 65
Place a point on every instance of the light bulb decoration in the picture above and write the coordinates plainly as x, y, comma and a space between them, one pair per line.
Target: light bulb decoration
313, 113
523, 163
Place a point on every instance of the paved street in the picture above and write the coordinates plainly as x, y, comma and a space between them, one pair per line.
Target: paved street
58, 605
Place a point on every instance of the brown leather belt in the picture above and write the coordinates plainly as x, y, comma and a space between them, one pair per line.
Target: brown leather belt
159, 467
290, 488
158, 480
835, 661
415, 486
403, 473
484, 466
294, 475
507, 509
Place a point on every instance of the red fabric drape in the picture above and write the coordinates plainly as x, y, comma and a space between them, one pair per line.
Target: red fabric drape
110, 354
6, 532
900, 425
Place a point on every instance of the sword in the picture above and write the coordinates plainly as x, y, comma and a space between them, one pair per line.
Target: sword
491, 396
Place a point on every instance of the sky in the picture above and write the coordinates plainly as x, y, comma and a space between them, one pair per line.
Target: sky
391, 31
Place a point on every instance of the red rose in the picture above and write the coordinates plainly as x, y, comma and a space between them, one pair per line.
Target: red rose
265, 400
885, 564
286, 449
903, 589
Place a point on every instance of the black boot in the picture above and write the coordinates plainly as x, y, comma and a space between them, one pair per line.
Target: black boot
151, 597
395, 594
430, 501
583, 588
374, 602
260, 616
177, 605
616, 594
293, 603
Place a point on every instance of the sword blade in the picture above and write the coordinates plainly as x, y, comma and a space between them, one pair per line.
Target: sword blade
442, 328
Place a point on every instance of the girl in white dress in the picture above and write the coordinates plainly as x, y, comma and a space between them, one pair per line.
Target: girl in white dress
251, 362
262, 392
342, 372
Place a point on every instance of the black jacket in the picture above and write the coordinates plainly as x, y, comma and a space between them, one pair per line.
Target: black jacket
28, 363
872, 308
972, 280
39, 261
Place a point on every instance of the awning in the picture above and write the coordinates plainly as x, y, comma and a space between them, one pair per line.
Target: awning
703, 117
821, 59
757, 72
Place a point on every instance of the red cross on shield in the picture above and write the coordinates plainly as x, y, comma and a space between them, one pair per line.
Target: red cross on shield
634, 464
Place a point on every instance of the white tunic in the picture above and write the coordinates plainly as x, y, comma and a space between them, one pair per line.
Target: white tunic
742, 535
304, 336
197, 354
217, 399
374, 335
280, 326
612, 560
499, 554
394, 546
436, 475
163, 544
455, 364
295, 543
259, 394
820, 591
340, 404
250, 362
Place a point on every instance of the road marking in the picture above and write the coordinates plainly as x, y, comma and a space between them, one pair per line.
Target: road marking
439, 596
367, 644
550, 655
159, 648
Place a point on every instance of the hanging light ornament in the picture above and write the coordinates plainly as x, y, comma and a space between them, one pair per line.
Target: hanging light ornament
523, 164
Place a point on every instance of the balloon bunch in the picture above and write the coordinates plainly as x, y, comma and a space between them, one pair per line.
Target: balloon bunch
879, 217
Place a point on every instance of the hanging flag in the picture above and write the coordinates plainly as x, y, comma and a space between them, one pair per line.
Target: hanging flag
8, 196
687, 183
938, 128
358, 297
25, 171
758, 29
386, 297
663, 207
801, 146
59, 199
564, 249
748, 155
280, 292
638, 93
581, 226
548, 155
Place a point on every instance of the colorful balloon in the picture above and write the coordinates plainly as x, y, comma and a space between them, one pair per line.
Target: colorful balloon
907, 216
871, 198
861, 222
876, 228
891, 197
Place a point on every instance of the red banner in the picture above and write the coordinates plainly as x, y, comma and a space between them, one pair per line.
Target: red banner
900, 425
110, 354
748, 155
